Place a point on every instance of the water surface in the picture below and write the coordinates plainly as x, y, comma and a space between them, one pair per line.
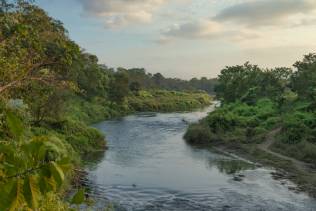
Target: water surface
150, 167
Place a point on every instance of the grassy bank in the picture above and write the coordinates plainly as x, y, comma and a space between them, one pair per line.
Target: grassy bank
242, 129
98, 109
268, 115
167, 101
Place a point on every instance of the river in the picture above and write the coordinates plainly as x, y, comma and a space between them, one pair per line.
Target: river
150, 167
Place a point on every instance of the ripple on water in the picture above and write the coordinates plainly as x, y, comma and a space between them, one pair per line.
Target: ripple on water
149, 167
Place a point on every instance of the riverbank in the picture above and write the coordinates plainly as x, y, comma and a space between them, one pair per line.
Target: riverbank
252, 131
150, 167
81, 112
304, 178
99, 109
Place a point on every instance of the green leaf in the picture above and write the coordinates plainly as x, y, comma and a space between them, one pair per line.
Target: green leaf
15, 197
57, 173
15, 124
32, 191
78, 198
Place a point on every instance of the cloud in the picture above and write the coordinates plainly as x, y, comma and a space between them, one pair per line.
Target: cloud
193, 30
266, 12
117, 13
239, 21
204, 29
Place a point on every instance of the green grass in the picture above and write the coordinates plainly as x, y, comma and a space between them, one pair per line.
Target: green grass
237, 122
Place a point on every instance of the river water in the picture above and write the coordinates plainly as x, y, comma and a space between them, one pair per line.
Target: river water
150, 167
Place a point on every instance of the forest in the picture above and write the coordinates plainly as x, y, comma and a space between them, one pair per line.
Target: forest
50, 91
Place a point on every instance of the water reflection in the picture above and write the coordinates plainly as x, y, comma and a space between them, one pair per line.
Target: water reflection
233, 166
92, 159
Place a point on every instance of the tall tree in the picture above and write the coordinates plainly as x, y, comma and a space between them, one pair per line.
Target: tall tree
33, 47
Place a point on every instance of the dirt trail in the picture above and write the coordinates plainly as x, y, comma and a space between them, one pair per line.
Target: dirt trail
270, 139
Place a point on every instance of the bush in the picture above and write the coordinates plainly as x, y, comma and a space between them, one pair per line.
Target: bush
221, 120
271, 122
199, 134
297, 127
82, 138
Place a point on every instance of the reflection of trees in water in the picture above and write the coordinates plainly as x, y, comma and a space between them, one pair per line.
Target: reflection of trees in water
233, 166
92, 159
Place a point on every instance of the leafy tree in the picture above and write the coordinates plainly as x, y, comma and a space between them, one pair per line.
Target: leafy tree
234, 82
119, 87
33, 47
92, 79
45, 103
135, 87
249, 83
303, 80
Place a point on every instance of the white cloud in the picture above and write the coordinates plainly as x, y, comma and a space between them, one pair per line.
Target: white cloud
267, 12
194, 30
205, 29
245, 21
117, 13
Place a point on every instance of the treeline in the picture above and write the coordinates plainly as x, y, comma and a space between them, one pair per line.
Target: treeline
50, 89
256, 101
140, 79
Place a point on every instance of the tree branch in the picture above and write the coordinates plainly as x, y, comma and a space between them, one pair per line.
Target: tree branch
30, 72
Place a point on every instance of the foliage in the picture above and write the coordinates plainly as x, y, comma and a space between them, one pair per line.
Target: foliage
298, 126
303, 80
34, 47
82, 138
249, 83
79, 197
30, 166
239, 122
50, 90
158, 81
167, 101
119, 87
256, 101
199, 134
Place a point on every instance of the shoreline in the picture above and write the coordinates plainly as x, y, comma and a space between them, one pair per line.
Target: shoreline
79, 178
305, 181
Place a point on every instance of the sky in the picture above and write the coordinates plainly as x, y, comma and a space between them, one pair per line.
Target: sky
189, 38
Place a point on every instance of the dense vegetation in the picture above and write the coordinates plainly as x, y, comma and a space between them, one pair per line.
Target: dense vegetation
256, 101
139, 78
167, 101
50, 89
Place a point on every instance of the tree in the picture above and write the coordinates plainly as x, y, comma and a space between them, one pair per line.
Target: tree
119, 87
303, 80
45, 103
92, 79
135, 87
33, 47
248, 83
235, 81
158, 79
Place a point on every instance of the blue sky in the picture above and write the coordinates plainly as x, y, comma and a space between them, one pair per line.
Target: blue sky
189, 38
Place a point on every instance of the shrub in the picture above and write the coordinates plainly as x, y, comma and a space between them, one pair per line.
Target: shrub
297, 127
199, 134
221, 120
82, 138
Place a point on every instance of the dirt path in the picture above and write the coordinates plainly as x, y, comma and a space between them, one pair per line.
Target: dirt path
270, 139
